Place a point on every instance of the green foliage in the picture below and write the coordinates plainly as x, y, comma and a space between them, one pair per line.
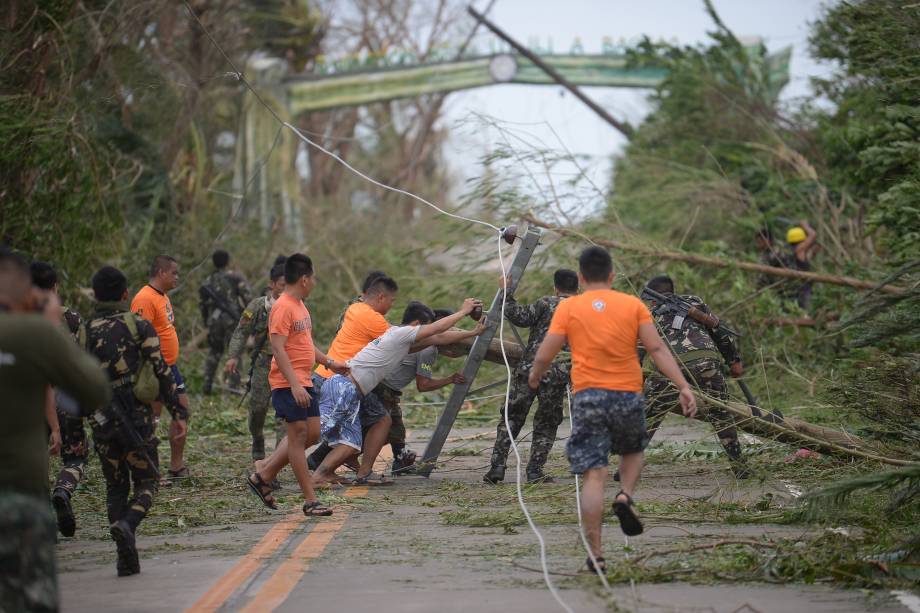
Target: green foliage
871, 140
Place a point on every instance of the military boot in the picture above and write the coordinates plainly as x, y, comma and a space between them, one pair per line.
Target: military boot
538, 476
402, 462
495, 475
207, 386
66, 522
123, 535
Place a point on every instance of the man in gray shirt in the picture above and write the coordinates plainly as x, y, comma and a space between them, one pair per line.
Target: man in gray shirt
416, 367
341, 395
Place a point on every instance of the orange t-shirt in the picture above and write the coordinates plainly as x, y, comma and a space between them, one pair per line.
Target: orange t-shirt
289, 317
362, 324
154, 306
602, 329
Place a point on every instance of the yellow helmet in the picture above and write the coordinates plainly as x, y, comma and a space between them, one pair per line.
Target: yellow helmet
795, 235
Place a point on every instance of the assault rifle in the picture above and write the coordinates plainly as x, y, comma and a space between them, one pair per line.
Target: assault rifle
207, 292
685, 309
117, 411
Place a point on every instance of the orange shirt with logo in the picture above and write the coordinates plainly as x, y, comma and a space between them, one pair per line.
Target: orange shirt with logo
362, 324
602, 329
154, 306
289, 317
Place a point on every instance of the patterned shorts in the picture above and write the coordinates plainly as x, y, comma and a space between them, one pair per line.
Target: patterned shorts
605, 422
339, 405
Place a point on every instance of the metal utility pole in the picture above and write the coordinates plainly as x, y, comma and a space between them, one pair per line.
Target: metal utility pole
624, 128
477, 354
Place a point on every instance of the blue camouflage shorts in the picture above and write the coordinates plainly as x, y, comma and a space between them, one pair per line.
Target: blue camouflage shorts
605, 422
339, 404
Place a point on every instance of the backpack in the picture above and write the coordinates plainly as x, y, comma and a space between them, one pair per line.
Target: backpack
146, 386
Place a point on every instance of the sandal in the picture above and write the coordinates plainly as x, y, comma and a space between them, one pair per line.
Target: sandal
316, 509
599, 568
373, 479
625, 512
182, 473
262, 489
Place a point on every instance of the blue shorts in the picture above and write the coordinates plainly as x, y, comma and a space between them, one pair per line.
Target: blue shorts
605, 422
286, 407
180, 382
339, 406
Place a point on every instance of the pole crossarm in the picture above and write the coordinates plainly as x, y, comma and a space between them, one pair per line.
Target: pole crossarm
477, 353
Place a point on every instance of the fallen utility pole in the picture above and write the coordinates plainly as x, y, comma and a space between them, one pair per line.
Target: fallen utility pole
624, 128
703, 260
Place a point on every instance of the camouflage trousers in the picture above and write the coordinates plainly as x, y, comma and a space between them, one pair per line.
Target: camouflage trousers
546, 420
260, 397
706, 376
74, 453
390, 399
219, 332
28, 576
123, 467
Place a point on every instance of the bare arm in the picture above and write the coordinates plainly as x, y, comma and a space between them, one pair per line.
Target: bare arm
287, 369
666, 363
445, 324
322, 358
427, 384
551, 345
51, 416
451, 336
803, 249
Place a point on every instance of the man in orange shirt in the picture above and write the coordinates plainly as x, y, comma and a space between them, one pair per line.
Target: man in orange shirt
152, 303
290, 330
363, 322
602, 328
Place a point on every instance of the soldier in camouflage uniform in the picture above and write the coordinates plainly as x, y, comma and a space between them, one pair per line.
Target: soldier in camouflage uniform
74, 448
700, 351
254, 323
551, 393
33, 356
221, 299
122, 342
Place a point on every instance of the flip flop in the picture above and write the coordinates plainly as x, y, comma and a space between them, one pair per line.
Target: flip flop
625, 512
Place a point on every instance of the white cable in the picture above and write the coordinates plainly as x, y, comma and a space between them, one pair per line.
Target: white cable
517, 455
533, 527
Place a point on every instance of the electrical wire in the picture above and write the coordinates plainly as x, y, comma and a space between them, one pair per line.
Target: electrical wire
500, 237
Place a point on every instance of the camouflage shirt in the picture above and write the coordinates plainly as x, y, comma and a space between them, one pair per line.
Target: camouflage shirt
254, 323
232, 293
689, 335
109, 340
537, 317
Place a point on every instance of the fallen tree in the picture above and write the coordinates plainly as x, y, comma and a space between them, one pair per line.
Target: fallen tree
704, 260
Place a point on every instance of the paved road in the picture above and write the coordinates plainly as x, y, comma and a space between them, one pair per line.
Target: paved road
388, 550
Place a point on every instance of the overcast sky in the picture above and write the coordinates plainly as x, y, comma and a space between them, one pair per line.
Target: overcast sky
779, 23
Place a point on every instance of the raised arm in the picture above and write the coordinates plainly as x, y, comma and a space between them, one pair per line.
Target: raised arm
446, 323
666, 363
68, 367
803, 249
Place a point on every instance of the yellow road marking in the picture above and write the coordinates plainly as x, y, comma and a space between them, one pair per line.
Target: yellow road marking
279, 586
281, 583
242, 570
